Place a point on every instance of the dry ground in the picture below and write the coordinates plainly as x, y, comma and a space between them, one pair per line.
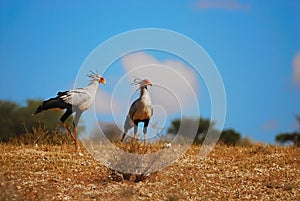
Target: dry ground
228, 173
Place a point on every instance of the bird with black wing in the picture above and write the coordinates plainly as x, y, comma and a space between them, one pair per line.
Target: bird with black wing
76, 100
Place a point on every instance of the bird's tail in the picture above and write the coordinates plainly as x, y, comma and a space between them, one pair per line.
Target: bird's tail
52, 103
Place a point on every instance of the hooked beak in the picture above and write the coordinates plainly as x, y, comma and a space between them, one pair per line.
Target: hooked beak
102, 80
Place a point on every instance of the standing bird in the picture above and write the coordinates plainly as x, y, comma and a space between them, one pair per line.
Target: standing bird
77, 100
140, 111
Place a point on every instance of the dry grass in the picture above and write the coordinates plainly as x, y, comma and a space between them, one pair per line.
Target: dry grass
48, 172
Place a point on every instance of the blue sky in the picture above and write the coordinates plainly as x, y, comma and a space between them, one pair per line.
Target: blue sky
254, 44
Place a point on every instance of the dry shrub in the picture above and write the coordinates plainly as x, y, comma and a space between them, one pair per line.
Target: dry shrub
145, 165
245, 142
137, 147
41, 136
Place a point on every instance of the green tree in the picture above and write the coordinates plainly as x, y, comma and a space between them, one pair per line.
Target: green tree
203, 125
288, 137
293, 137
16, 120
7, 119
229, 137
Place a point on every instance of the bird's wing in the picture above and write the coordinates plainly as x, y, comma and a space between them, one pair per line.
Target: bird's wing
128, 124
61, 93
133, 108
151, 111
78, 97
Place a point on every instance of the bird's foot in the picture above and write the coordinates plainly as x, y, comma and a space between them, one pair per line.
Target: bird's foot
140, 177
124, 134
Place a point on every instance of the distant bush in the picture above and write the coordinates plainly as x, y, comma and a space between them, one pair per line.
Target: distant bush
17, 120
293, 137
245, 142
228, 136
289, 137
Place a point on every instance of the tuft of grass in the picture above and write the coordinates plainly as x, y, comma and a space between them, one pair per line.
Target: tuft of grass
138, 148
41, 136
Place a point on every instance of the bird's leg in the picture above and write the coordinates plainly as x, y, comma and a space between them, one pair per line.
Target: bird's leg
67, 128
75, 122
135, 129
145, 132
64, 118
135, 132
124, 134
75, 138
146, 123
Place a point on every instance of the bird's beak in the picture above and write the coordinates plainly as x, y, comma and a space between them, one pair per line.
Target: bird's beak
103, 81
148, 82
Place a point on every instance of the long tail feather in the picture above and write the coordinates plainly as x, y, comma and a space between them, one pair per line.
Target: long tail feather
52, 103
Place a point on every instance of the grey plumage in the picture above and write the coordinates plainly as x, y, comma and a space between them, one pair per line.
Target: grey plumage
76, 100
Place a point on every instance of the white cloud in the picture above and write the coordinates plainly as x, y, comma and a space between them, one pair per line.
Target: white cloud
270, 125
104, 102
222, 4
174, 83
296, 69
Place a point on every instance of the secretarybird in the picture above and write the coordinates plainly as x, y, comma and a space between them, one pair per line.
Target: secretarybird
76, 100
140, 111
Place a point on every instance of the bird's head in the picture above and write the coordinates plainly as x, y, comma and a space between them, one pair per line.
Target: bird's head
145, 82
96, 77
142, 83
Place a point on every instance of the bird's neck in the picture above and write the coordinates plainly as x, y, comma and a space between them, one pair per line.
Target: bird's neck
144, 93
92, 87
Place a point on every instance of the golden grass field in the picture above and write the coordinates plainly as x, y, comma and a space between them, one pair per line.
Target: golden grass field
45, 172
